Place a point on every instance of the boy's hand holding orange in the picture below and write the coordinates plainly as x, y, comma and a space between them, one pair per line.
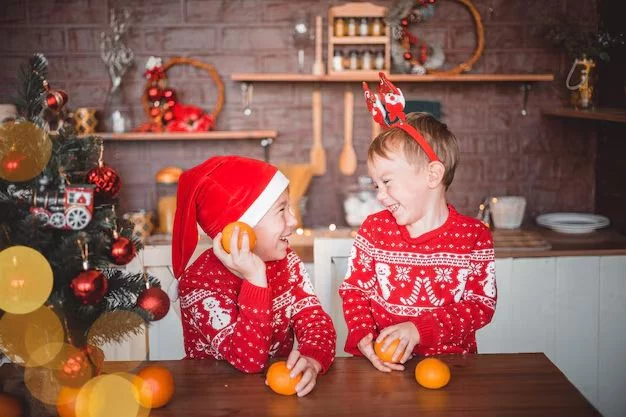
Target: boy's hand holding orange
233, 247
407, 336
366, 346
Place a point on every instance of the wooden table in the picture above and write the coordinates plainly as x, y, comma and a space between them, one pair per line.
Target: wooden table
481, 385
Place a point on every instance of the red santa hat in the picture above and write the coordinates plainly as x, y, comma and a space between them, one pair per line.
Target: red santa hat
221, 190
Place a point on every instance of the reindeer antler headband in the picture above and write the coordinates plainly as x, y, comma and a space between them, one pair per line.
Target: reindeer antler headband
392, 113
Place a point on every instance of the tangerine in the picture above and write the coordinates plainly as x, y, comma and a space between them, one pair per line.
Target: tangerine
66, 401
227, 233
432, 373
155, 386
279, 380
387, 355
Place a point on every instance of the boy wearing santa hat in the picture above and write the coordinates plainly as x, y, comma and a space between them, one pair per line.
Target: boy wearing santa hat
245, 306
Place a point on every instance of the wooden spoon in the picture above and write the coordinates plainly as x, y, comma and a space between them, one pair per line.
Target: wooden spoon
347, 158
318, 155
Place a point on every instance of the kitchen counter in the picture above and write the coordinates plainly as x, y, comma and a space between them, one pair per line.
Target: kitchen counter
520, 243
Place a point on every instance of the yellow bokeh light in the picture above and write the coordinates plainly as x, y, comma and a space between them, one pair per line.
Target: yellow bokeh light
32, 339
42, 384
25, 280
25, 150
109, 395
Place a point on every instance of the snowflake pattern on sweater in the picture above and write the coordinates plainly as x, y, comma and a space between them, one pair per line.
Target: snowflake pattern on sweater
443, 281
227, 318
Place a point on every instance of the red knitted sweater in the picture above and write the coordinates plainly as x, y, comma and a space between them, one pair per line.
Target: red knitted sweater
225, 317
443, 281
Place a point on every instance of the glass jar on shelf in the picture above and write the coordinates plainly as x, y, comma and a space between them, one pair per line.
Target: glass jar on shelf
363, 27
377, 27
360, 201
353, 60
352, 26
379, 61
340, 27
338, 61
366, 60
167, 183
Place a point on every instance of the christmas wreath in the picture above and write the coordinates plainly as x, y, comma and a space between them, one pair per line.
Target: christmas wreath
411, 54
161, 104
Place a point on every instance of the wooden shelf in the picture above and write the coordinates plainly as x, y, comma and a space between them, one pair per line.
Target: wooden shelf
607, 115
213, 135
359, 40
408, 78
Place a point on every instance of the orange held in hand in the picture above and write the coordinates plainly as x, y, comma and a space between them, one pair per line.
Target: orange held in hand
387, 355
227, 233
155, 386
432, 373
279, 380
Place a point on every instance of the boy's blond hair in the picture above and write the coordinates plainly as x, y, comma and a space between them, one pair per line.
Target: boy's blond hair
436, 133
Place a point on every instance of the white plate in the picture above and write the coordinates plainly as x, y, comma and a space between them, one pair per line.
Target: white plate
573, 223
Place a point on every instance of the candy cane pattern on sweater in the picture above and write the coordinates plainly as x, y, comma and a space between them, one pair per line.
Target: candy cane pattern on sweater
443, 282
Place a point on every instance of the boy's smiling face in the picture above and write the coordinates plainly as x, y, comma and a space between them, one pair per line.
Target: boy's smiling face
273, 229
403, 188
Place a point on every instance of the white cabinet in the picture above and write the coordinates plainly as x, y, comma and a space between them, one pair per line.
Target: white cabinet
571, 308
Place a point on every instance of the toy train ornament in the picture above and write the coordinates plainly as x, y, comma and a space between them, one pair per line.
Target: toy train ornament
68, 208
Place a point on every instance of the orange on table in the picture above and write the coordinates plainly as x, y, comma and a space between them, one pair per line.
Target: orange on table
10, 406
432, 373
387, 355
66, 401
279, 380
155, 386
227, 233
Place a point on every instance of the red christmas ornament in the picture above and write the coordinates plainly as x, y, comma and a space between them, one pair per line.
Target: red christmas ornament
75, 369
154, 93
168, 116
90, 286
155, 301
155, 111
404, 22
169, 94
106, 180
407, 56
122, 250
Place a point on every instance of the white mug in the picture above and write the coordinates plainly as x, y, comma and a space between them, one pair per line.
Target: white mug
507, 212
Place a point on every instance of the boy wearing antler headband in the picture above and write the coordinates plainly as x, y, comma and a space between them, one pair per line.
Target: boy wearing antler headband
245, 306
419, 271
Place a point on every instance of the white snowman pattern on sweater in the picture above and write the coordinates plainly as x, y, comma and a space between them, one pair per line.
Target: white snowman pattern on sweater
383, 272
218, 316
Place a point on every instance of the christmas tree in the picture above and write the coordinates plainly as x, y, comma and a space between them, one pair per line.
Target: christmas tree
63, 289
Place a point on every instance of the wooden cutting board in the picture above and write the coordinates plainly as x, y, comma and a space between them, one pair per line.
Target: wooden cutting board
518, 240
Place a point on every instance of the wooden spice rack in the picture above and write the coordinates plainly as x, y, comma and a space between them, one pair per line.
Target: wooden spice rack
357, 11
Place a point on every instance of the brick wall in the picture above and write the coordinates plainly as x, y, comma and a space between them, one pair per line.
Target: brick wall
544, 159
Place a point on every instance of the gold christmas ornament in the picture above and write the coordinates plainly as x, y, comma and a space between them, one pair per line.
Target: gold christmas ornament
25, 150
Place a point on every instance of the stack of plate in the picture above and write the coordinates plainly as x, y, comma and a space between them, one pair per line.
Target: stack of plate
573, 223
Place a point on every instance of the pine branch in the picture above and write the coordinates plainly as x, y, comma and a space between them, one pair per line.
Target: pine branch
29, 102
126, 323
